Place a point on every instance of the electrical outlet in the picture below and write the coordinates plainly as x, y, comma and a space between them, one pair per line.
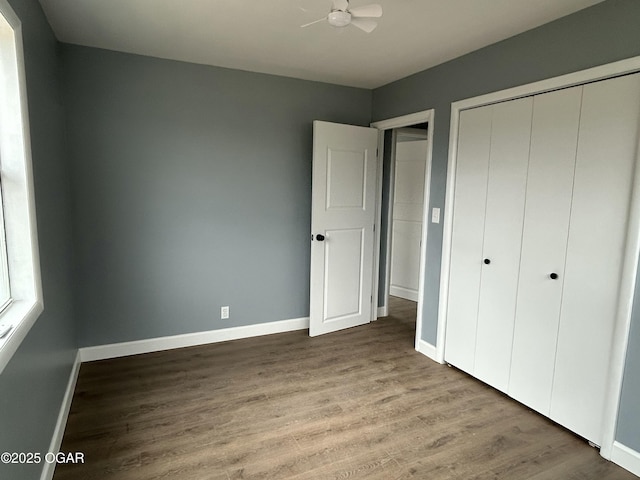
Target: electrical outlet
224, 312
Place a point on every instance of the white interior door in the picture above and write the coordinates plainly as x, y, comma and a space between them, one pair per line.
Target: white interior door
342, 219
406, 225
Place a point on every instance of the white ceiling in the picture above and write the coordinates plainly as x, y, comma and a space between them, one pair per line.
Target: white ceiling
265, 35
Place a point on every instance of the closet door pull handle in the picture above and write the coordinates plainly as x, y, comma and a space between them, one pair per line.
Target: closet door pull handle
487, 261
553, 276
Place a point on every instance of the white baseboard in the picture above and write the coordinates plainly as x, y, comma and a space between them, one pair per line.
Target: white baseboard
626, 457
114, 350
61, 423
402, 292
427, 349
383, 311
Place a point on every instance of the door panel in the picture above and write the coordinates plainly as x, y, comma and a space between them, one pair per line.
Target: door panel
556, 117
343, 212
346, 179
604, 171
343, 270
510, 136
470, 195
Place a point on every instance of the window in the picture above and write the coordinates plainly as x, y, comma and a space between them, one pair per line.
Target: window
20, 289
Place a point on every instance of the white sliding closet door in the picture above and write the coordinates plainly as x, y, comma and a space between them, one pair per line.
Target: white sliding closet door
606, 155
510, 133
554, 135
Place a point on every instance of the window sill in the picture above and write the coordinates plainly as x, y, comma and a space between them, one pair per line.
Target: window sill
21, 315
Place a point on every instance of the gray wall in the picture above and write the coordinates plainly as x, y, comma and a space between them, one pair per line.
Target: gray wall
192, 190
33, 384
601, 34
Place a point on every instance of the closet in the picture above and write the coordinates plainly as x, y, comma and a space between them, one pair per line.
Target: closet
540, 208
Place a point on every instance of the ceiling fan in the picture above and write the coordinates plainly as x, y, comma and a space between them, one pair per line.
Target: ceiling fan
341, 16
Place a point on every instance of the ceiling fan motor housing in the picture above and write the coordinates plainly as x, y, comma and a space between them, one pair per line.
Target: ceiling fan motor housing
339, 18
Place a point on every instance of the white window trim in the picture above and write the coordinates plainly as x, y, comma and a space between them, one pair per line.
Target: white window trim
18, 196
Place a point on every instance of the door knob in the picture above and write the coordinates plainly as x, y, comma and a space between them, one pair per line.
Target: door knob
487, 261
320, 237
553, 276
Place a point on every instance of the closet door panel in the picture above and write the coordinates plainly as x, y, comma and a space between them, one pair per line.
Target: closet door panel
510, 136
467, 235
554, 136
604, 170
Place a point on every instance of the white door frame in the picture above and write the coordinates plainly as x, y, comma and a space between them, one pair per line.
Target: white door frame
425, 116
632, 249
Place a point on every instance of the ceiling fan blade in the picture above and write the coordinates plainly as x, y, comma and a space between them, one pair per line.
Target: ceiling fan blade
364, 24
311, 23
372, 11
340, 5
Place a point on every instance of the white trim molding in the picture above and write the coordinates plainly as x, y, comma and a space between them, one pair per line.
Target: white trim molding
626, 457
632, 249
403, 292
405, 120
427, 349
58, 433
115, 350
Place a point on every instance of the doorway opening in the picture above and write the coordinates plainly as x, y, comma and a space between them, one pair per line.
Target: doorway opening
403, 188
404, 180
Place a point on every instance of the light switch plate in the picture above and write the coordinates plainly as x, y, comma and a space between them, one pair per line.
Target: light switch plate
435, 215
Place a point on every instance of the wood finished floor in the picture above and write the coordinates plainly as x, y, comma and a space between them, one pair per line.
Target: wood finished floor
356, 404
